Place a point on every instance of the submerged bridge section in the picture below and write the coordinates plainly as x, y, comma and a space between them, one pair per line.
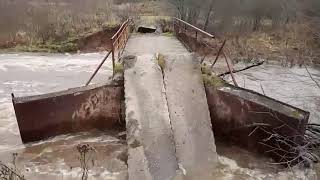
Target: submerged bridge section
169, 130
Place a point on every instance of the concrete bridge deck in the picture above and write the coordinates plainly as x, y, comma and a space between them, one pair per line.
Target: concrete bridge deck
140, 44
168, 122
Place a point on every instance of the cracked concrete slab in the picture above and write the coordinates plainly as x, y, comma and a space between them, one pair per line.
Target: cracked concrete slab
138, 164
147, 119
190, 117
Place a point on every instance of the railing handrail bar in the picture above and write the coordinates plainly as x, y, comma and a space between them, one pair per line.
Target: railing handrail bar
194, 27
115, 40
120, 29
95, 72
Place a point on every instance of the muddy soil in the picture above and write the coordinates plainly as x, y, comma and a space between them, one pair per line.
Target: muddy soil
99, 41
90, 42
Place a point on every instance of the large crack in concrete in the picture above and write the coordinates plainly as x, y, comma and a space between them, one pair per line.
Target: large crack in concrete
161, 62
189, 116
161, 138
149, 138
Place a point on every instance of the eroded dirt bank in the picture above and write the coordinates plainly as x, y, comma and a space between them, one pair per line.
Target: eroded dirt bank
98, 40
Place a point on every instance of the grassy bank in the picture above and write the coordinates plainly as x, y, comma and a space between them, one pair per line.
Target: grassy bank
95, 40
43, 26
251, 30
290, 45
64, 25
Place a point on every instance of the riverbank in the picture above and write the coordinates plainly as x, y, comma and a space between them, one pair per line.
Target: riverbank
67, 26
290, 45
93, 41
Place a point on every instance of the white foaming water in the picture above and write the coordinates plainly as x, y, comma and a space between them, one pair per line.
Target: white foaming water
31, 74
49, 62
290, 85
231, 170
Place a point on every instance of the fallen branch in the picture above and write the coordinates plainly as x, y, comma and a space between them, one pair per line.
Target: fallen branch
10, 173
243, 69
230, 67
291, 152
312, 77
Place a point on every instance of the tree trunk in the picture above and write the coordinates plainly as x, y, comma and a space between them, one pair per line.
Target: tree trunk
208, 16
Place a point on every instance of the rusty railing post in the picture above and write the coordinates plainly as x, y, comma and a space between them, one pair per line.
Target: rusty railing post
185, 28
120, 45
220, 50
117, 42
230, 69
113, 59
175, 28
96, 71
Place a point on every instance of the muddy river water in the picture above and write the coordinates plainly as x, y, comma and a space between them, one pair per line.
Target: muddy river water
57, 158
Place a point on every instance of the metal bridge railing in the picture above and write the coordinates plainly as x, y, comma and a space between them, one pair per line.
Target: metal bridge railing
118, 43
188, 29
179, 24
120, 39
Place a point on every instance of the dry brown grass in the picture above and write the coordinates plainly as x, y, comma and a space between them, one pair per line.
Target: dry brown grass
291, 44
40, 22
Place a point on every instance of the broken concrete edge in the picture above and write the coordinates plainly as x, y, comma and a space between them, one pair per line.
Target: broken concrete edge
146, 29
95, 107
248, 121
128, 61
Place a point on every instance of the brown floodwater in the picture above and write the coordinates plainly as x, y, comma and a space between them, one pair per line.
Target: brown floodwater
57, 158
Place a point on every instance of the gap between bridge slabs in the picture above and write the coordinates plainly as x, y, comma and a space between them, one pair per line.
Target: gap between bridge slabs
187, 121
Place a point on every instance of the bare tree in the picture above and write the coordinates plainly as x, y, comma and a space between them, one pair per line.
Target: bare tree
208, 15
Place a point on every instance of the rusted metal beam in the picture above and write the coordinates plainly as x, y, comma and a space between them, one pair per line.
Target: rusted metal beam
113, 59
74, 110
119, 30
220, 50
118, 42
96, 71
230, 69
238, 115
195, 28
185, 24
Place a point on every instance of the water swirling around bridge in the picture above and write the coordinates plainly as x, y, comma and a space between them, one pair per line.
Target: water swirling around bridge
30, 74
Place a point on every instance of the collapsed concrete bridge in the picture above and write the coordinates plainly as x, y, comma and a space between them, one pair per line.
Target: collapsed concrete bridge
167, 115
171, 115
